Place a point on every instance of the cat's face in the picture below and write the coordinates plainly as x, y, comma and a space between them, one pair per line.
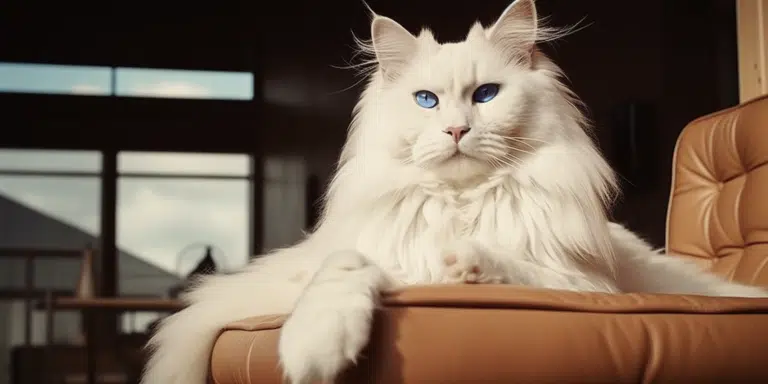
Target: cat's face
458, 107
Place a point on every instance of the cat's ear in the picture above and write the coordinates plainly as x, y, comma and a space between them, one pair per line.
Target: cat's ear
515, 31
393, 44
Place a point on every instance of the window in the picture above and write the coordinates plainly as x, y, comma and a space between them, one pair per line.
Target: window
55, 79
48, 200
52, 161
284, 201
171, 206
128, 82
159, 219
48, 196
41, 203
184, 84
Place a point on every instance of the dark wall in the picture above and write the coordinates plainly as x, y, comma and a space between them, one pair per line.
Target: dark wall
677, 57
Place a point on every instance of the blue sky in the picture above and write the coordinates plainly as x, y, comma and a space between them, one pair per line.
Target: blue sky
87, 80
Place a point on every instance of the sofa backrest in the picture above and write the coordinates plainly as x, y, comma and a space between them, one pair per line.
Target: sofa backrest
718, 206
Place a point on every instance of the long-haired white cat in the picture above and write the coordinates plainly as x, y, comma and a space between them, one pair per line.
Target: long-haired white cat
465, 162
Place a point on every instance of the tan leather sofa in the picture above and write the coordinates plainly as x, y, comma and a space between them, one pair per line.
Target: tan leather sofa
718, 216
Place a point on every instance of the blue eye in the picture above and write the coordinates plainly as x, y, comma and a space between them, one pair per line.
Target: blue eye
485, 93
425, 99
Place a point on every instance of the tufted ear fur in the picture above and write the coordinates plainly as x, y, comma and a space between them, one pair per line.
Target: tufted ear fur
515, 32
394, 46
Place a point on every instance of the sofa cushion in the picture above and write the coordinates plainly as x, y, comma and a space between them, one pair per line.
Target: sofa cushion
718, 212
503, 334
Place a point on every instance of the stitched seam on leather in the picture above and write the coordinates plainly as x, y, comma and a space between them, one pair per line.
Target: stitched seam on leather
646, 378
757, 271
628, 310
735, 266
757, 166
248, 359
746, 244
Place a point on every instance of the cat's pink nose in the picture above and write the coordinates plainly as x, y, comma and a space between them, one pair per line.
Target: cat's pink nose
457, 132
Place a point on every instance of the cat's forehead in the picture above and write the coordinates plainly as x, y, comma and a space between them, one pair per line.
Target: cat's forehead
456, 61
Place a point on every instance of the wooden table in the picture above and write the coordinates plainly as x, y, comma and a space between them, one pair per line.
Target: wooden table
88, 306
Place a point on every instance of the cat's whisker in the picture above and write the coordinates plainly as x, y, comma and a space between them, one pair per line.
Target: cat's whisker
522, 138
521, 150
506, 147
513, 158
495, 163
494, 144
507, 163
502, 157
406, 161
516, 140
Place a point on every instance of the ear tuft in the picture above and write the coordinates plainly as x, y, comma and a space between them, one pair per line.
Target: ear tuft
477, 31
426, 34
393, 44
515, 31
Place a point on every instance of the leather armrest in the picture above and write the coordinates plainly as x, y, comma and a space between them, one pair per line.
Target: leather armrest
496, 333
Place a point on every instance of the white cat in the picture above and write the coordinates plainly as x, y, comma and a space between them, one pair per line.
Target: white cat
465, 162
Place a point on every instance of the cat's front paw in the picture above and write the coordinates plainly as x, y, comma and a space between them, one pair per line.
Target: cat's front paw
467, 263
331, 322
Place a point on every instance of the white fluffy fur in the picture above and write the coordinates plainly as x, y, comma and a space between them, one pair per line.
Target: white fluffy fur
522, 198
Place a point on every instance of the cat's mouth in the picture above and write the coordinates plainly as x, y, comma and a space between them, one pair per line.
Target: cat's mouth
457, 156
461, 156
461, 166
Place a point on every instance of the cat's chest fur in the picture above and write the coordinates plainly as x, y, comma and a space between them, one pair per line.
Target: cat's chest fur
408, 235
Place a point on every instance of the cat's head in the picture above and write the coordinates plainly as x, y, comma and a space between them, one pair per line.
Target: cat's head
463, 109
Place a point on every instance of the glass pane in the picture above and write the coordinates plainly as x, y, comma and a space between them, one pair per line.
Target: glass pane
166, 224
183, 84
49, 160
285, 168
184, 163
284, 201
47, 212
55, 79
67, 327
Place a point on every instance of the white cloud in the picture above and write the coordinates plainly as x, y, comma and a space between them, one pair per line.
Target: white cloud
87, 89
227, 164
159, 218
177, 89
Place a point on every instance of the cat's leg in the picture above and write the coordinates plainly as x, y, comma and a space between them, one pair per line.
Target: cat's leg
181, 347
641, 269
331, 322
